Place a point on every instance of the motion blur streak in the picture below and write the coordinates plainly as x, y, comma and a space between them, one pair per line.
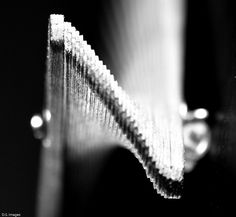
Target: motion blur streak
146, 48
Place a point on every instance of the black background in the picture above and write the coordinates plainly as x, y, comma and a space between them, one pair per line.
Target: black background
122, 187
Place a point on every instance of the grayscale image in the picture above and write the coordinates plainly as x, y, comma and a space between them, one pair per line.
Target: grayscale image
119, 108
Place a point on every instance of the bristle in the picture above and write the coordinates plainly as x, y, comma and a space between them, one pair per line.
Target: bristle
57, 27
94, 101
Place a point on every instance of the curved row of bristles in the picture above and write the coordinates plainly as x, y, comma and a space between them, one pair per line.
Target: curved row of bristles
134, 127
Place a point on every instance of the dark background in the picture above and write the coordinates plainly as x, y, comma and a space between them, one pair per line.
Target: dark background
122, 187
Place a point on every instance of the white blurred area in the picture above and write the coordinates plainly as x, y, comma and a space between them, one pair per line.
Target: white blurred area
36, 121
146, 48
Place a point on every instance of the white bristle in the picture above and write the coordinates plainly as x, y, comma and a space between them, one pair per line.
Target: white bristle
57, 27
